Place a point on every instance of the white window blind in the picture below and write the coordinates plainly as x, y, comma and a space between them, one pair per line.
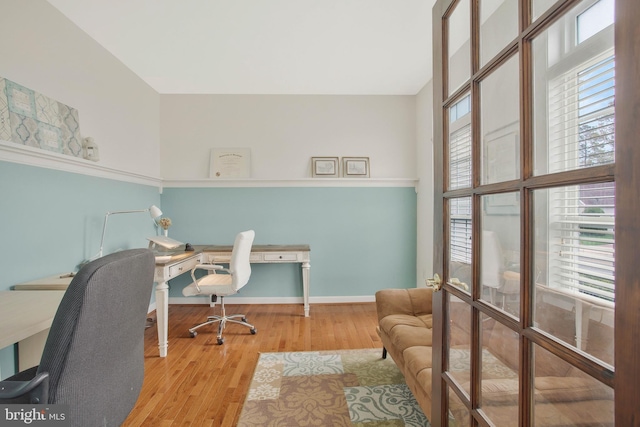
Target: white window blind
460, 144
460, 158
582, 218
583, 239
460, 230
581, 117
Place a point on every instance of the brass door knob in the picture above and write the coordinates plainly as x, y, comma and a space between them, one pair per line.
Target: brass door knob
435, 283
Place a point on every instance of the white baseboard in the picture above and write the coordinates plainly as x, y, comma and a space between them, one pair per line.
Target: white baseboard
152, 307
341, 300
274, 300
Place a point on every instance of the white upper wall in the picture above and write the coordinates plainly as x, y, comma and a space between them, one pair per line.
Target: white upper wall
42, 50
285, 131
424, 160
171, 136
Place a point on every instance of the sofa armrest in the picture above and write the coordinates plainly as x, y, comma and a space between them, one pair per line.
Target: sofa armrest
412, 302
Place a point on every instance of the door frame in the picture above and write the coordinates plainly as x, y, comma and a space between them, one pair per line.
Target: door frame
626, 380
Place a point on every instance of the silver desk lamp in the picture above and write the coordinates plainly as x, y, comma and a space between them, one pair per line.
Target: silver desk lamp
154, 212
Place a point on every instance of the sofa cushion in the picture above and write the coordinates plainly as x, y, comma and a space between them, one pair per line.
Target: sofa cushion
416, 359
547, 389
424, 377
567, 389
405, 336
393, 320
499, 391
412, 302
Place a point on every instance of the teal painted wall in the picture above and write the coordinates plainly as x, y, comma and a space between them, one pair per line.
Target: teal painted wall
362, 239
50, 221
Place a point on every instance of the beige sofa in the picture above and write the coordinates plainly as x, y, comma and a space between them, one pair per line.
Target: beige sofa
563, 395
404, 326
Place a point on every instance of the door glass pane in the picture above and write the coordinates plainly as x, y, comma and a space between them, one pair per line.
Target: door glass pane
595, 19
500, 251
500, 386
458, 413
460, 342
460, 144
574, 90
540, 6
500, 123
564, 395
460, 243
459, 46
498, 27
574, 266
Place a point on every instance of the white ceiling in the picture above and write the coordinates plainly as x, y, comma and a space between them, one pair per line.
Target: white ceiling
356, 47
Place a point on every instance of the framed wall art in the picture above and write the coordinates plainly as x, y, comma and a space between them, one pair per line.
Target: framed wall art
230, 163
355, 167
325, 167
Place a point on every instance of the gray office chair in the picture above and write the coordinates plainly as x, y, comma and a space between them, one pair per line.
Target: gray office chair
93, 359
227, 283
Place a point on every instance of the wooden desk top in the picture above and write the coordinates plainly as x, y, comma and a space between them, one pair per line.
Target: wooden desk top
258, 248
176, 256
180, 254
25, 313
57, 282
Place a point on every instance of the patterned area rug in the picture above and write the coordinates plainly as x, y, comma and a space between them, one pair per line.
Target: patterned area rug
329, 388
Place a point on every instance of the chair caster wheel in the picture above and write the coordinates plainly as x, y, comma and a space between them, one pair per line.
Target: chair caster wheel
220, 341
244, 319
254, 331
193, 334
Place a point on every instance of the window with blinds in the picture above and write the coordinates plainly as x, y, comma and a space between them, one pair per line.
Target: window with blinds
581, 115
460, 177
460, 144
582, 239
582, 218
460, 230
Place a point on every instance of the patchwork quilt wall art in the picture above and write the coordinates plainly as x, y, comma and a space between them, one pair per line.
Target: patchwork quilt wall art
32, 119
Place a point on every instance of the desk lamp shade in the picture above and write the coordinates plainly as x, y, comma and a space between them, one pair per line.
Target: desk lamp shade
155, 212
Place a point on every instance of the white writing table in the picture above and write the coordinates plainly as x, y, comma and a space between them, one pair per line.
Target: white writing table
25, 318
183, 262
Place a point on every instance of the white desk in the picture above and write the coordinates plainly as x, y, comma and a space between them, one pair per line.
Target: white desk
25, 318
57, 282
183, 262
166, 270
269, 254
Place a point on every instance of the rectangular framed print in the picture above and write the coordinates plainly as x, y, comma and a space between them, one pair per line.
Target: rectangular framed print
325, 167
355, 167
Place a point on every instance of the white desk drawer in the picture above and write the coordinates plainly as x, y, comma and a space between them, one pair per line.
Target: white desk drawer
218, 258
182, 267
280, 256
226, 258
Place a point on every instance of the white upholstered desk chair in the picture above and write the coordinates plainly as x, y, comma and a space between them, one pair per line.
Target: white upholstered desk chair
221, 282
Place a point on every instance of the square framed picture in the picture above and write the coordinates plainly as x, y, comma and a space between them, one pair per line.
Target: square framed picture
355, 167
325, 167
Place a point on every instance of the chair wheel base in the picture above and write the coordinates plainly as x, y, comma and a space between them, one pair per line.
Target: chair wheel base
220, 341
254, 331
193, 334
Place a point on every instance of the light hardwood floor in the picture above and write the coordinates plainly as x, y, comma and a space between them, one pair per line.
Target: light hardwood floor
200, 383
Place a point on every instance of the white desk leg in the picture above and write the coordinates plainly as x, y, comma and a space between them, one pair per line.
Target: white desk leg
162, 314
306, 266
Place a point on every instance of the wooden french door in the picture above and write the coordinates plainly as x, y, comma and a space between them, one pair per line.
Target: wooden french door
536, 124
